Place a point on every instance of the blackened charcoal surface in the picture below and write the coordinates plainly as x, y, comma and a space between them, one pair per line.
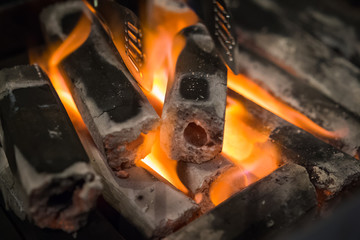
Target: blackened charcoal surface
218, 20
34, 120
193, 88
284, 42
57, 186
298, 94
271, 203
330, 170
112, 105
121, 101
335, 29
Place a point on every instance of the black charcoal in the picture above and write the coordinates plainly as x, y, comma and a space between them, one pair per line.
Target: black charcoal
44, 152
111, 103
285, 43
330, 170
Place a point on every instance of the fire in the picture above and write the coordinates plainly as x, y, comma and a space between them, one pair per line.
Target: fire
50, 62
158, 163
244, 86
162, 49
248, 148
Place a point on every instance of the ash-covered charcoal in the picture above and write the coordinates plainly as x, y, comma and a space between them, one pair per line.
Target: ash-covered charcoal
337, 30
273, 202
304, 98
194, 110
284, 42
330, 170
44, 152
112, 105
154, 207
198, 178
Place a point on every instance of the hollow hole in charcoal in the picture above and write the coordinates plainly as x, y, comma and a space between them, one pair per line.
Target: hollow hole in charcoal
195, 135
65, 197
62, 199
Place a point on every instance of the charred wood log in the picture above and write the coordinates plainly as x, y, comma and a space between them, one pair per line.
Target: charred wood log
194, 109
111, 103
271, 203
44, 152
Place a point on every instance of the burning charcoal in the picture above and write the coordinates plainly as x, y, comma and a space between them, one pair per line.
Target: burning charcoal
218, 21
194, 110
154, 207
330, 170
296, 51
112, 105
302, 97
198, 177
271, 203
44, 152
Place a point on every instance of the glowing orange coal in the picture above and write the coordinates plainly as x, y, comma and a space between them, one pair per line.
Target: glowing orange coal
248, 148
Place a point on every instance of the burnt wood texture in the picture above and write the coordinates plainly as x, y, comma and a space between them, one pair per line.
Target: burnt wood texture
111, 103
194, 109
43, 151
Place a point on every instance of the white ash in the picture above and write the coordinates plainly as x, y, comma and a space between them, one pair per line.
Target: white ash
153, 206
204, 42
53, 17
18, 82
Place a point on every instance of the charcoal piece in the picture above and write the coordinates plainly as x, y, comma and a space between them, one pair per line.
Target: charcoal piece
194, 109
154, 207
302, 97
43, 151
127, 37
198, 177
218, 20
336, 30
330, 170
285, 43
269, 204
112, 105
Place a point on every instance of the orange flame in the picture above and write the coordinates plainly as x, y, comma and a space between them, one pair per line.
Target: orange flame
244, 86
246, 146
158, 163
162, 49
50, 62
